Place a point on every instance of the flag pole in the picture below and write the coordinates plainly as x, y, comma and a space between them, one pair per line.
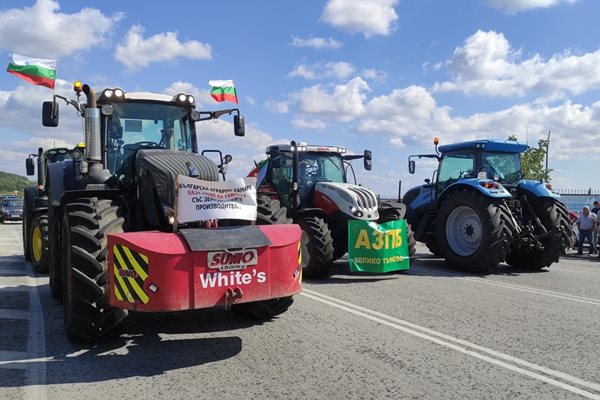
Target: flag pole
55, 75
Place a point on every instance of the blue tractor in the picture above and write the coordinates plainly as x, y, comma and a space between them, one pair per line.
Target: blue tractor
477, 210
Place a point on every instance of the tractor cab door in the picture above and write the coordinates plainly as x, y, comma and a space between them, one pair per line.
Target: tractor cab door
279, 177
454, 167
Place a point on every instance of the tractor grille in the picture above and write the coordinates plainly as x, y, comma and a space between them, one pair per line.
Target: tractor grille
163, 166
366, 198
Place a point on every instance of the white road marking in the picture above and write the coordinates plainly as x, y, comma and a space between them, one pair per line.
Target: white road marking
35, 387
462, 346
561, 295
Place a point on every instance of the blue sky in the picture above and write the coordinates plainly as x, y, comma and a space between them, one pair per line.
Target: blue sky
387, 75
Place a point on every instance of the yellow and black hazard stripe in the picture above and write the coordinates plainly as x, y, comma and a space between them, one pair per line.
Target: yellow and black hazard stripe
130, 271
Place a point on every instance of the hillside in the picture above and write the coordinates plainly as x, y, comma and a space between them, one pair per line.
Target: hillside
9, 183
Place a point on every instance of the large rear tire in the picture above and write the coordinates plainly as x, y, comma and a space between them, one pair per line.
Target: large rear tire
86, 223
552, 213
317, 247
269, 212
474, 232
38, 242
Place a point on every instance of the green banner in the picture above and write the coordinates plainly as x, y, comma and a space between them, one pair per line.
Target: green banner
377, 248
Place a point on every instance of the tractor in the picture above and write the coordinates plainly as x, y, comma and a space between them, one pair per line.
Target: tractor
312, 182
35, 207
117, 241
477, 210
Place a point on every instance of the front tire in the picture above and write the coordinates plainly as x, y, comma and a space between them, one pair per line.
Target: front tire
552, 213
38, 242
86, 223
475, 232
317, 247
269, 212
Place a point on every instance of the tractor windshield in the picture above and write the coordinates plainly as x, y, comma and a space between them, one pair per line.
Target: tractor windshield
502, 167
148, 125
321, 167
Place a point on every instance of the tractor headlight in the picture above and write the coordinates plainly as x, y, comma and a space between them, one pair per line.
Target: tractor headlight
119, 93
108, 93
182, 97
191, 99
170, 214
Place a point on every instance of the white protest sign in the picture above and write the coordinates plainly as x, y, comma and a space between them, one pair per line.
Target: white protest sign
199, 200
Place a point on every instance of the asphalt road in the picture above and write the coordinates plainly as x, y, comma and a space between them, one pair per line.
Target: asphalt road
429, 333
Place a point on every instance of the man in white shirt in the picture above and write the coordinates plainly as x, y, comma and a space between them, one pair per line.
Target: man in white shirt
586, 223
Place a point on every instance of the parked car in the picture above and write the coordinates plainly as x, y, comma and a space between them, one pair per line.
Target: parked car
11, 210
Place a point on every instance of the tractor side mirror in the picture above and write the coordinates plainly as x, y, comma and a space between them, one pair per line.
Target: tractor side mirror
278, 162
50, 113
368, 160
411, 166
30, 166
239, 127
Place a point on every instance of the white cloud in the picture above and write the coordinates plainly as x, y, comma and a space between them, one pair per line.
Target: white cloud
316, 43
309, 123
323, 70
42, 31
369, 17
517, 6
280, 107
250, 100
135, 51
202, 97
487, 64
375, 75
342, 102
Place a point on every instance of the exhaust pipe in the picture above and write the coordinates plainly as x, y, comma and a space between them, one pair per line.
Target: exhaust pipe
93, 150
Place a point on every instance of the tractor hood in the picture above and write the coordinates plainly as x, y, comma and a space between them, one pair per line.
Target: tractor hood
355, 201
158, 169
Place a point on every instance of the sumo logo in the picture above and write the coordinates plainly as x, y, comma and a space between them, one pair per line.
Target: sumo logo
232, 260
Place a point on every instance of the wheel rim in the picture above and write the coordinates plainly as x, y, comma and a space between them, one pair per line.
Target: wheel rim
464, 231
36, 243
305, 253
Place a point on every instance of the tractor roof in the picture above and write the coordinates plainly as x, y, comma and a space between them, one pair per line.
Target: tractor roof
307, 147
502, 146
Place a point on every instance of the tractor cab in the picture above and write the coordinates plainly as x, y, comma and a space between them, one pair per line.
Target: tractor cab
315, 164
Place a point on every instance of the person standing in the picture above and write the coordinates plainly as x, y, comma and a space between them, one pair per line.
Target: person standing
586, 224
595, 210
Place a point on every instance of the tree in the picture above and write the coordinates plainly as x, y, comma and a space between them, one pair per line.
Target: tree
533, 161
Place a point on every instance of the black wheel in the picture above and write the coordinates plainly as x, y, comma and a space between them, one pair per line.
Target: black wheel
317, 247
434, 248
28, 197
393, 213
554, 216
269, 212
1, 219
55, 267
339, 249
474, 232
86, 222
38, 242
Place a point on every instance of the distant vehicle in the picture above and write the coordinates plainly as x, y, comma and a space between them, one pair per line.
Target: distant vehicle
11, 209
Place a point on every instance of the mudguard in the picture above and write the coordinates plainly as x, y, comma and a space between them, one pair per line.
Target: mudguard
473, 183
537, 189
158, 271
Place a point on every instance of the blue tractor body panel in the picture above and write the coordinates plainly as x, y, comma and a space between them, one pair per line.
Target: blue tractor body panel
474, 183
537, 189
507, 146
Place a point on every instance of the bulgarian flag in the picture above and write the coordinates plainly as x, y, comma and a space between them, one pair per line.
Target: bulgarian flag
34, 70
223, 91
